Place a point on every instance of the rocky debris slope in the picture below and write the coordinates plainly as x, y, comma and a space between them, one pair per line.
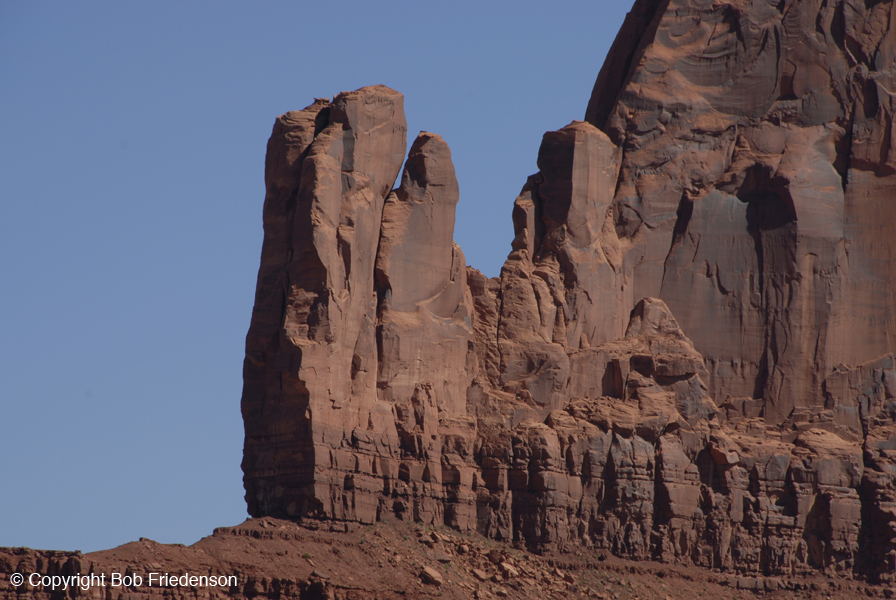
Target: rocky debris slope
270, 559
688, 353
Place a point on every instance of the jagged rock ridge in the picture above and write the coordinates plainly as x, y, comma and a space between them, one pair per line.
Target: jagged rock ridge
734, 170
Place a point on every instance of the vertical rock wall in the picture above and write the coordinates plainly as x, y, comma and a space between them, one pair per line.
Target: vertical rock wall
311, 354
754, 193
734, 170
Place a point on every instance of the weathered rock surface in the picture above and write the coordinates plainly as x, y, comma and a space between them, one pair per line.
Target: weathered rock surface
754, 195
688, 355
311, 348
272, 559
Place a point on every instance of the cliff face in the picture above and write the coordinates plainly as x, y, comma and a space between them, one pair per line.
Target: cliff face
687, 355
754, 194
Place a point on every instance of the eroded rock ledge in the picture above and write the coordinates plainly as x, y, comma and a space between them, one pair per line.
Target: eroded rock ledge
735, 170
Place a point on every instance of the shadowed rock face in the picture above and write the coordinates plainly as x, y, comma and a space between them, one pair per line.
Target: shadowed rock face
687, 355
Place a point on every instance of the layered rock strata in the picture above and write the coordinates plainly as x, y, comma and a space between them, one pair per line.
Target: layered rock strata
272, 559
687, 355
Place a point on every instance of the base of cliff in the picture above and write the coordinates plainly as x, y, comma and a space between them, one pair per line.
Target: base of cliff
274, 559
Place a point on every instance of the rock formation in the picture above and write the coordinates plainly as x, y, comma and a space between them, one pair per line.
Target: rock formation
688, 353
273, 559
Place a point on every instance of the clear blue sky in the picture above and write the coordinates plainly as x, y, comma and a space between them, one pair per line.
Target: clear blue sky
132, 140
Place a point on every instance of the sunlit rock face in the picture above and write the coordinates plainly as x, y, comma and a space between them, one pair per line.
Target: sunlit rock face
687, 355
755, 192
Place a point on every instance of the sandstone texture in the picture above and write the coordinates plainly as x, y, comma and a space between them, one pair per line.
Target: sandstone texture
272, 559
688, 354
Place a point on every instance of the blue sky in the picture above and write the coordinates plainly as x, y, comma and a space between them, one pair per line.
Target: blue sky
132, 140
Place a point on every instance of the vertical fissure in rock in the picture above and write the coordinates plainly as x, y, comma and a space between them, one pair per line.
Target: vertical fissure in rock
682, 218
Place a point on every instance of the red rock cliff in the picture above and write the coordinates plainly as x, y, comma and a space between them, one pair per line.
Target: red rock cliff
734, 170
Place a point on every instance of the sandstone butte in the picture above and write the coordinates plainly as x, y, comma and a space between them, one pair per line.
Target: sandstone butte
688, 354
